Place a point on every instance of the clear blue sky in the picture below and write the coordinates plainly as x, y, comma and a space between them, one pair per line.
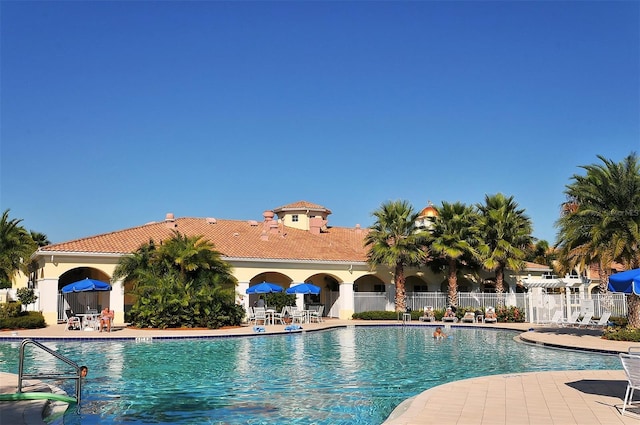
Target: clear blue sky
116, 113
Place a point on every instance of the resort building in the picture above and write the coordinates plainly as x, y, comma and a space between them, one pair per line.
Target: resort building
288, 245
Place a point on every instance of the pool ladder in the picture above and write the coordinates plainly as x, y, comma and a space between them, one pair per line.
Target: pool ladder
22, 376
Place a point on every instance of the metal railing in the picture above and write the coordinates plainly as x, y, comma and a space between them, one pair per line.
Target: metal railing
22, 376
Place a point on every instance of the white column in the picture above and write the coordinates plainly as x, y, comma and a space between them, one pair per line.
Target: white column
241, 295
48, 289
116, 301
346, 304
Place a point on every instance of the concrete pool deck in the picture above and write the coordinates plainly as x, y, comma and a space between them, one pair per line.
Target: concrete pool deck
579, 397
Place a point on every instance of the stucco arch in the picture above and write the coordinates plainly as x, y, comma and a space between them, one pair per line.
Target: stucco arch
369, 283
83, 301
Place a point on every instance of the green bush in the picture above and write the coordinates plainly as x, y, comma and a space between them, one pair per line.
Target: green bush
622, 334
277, 300
10, 309
26, 296
26, 320
509, 314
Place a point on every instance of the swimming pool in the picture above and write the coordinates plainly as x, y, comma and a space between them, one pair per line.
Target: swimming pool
354, 375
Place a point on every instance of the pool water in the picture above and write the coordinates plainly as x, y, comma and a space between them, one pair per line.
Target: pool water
354, 375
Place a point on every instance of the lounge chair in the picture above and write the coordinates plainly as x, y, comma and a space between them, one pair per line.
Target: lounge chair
469, 317
73, 321
490, 316
449, 316
427, 315
602, 323
571, 321
585, 321
555, 320
631, 365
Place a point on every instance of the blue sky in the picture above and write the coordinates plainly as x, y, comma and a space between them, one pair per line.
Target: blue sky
116, 113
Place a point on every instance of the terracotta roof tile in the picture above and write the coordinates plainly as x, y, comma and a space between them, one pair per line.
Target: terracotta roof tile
233, 238
302, 205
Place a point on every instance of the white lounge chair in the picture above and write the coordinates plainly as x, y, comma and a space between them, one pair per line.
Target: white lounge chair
490, 316
469, 317
602, 323
452, 318
427, 315
571, 321
555, 320
585, 321
631, 365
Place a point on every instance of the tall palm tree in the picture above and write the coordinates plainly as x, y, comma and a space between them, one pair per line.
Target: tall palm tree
16, 246
506, 234
600, 223
183, 282
453, 239
394, 240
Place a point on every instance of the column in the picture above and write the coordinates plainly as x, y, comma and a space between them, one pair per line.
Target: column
345, 302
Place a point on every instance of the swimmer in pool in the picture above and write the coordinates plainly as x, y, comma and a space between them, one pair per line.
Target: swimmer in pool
438, 334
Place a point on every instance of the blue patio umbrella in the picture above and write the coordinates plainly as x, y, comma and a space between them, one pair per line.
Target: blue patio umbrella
304, 288
626, 282
264, 288
86, 285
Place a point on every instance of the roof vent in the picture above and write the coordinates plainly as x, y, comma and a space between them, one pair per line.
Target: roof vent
253, 223
211, 220
169, 217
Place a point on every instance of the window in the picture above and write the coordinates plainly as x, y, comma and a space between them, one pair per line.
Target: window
420, 288
294, 218
378, 288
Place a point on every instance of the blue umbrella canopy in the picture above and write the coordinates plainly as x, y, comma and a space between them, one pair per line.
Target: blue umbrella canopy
86, 285
627, 282
264, 288
304, 288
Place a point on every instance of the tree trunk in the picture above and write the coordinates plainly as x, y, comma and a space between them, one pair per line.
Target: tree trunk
500, 285
401, 301
633, 310
453, 283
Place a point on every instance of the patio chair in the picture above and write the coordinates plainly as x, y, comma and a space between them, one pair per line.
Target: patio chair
602, 323
427, 315
585, 321
73, 321
298, 315
316, 316
571, 321
490, 316
449, 316
260, 315
631, 365
555, 320
469, 317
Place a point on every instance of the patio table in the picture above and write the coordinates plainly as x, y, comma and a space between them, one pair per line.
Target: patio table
89, 321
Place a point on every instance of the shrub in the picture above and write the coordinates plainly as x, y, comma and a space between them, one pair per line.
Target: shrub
26, 320
10, 309
26, 296
509, 314
622, 334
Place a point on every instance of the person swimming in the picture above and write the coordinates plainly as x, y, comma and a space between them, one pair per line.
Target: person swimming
438, 334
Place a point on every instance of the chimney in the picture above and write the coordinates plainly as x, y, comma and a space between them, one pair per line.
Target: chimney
358, 229
170, 221
315, 224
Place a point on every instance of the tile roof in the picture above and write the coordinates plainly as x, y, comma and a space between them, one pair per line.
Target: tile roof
233, 238
302, 205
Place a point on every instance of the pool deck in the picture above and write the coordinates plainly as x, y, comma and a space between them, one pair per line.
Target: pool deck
580, 397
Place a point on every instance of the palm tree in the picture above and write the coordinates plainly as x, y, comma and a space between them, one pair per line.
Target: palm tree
16, 247
183, 282
600, 223
395, 241
506, 234
453, 238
